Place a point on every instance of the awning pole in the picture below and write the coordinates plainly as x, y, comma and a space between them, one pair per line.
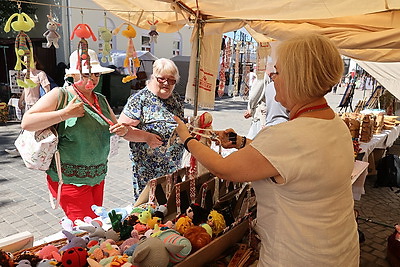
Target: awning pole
198, 53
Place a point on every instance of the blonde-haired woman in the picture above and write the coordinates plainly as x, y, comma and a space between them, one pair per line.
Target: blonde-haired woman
300, 169
150, 115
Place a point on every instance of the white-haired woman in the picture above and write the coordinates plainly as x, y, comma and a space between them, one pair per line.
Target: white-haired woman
300, 169
150, 115
84, 137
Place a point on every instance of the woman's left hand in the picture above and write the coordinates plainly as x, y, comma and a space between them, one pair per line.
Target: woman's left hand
181, 129
119, 129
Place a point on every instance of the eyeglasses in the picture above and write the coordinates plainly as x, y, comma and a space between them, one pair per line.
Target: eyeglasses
163, 80
86, 75
273, 75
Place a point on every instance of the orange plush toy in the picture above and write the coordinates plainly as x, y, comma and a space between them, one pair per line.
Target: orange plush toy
84, 32
131, 60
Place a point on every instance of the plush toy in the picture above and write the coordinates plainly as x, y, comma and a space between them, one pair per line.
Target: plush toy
197, 214
27, 255
131, 60
74, 241
6, 259
24, 263
152, 252
153, 31
171, 237
105, 35
96, 231
52, 36
84, 32
198, 237
216, 221
49, 252
183, 224
75, 256
47, 263
23, 46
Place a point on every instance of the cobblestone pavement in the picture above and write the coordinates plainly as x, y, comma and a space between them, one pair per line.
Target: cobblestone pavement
24, 203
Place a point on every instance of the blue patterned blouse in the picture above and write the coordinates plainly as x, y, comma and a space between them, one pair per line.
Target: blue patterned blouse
155, 116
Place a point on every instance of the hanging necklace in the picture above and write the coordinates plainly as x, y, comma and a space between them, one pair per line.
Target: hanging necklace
310, 109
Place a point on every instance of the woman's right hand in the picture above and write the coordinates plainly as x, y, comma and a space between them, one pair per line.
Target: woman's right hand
153, 140
73, 109
223, 137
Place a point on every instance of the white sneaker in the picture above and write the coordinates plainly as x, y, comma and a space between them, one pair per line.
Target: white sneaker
13, 152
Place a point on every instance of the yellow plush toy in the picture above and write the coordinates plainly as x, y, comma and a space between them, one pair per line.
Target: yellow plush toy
131, 60
23, 46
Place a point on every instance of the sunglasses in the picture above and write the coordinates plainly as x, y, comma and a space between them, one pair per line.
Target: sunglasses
163, 80
86, 75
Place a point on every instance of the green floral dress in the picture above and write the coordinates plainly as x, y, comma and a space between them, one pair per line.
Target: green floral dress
155, 116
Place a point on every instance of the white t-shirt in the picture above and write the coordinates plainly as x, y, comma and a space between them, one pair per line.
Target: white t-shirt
309, 219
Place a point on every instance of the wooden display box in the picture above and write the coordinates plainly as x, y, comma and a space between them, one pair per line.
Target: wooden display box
210, 252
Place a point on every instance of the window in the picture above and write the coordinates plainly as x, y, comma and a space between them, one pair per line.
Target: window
146, 46
176, 46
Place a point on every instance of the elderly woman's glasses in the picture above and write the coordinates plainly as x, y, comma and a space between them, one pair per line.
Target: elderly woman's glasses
86, 75
163, 80
273, 75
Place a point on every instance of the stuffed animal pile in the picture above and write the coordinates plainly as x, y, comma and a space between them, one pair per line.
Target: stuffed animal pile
135, 239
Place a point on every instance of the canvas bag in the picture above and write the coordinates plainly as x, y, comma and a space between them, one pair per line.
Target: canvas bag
37, 148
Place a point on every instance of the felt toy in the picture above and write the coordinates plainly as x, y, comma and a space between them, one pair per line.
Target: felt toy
216, 221
153, 31
49, 252
152, 222
67, 224
197, 213
207, 228
105, 35
52, 36
152, 252
96, 231
183, 224
27, 255
74, 241
141, 228
23, 46
47, 263
198, 237
172, 237
161, 211
24, 263
74, 257
129, 242
131, 60
115, 261
6, 259
84, 32
145, 216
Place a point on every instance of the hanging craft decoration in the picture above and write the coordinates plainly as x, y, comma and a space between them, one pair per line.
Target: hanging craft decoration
23, 46
236, 78
131, 60
226, 47
52, 36
106, 35
263, 51
84, 32
153, 31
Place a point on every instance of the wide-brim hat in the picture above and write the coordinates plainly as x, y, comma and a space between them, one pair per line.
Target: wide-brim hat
94, 63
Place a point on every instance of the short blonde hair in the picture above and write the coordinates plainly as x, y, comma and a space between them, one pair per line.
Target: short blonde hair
165, 66
310, 65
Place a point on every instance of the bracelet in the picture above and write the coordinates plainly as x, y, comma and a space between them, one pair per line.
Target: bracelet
244, 139
187, 141
127, 130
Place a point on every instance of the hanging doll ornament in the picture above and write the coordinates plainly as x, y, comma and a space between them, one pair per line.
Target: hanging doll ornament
52, 36
153, 31
23, 46
131, 60
106, 35
84, 32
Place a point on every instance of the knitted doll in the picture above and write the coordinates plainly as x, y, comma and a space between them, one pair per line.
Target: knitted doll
23, 46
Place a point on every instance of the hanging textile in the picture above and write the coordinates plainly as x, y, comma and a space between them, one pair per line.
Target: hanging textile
236, 83
209, 57
263, 51
223, 66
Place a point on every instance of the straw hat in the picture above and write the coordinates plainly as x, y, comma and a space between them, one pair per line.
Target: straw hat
94, 62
